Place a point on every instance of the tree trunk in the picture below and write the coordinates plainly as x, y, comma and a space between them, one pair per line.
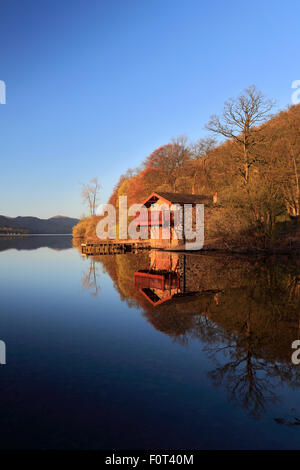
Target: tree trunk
297, 185
246, 161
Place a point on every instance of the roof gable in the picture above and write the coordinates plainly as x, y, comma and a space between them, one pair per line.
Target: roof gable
177, 198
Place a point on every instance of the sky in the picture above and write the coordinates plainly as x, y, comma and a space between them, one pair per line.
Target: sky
94, 86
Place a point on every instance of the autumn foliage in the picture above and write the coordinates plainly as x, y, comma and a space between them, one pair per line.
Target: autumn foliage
252, 211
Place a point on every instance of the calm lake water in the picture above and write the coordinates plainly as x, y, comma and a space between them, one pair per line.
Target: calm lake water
146, 351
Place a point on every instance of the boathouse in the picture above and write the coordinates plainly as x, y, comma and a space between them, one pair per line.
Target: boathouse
167, 217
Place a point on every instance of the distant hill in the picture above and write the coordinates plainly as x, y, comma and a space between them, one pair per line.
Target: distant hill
57, 224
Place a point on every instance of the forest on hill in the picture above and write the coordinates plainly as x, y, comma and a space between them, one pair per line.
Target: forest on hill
253, 174
27, 225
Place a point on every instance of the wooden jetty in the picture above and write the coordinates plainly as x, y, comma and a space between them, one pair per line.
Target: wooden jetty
113, 247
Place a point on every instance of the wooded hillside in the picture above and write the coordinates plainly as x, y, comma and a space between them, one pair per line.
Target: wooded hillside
253, 173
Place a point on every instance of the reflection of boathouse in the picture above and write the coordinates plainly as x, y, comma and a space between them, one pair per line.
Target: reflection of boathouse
161, 281
168, 275
164, 214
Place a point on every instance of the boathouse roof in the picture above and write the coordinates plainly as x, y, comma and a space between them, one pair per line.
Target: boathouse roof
177, 198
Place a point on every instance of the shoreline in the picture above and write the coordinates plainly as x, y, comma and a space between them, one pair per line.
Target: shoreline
261, 252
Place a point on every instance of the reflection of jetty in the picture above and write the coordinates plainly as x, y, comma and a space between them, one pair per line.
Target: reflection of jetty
112, 247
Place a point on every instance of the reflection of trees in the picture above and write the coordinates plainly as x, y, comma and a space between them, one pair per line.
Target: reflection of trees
244, 374
89, 279
249, 378
244, 365
246, 319
247, 332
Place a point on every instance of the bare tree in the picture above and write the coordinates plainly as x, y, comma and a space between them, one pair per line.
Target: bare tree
90, 194
179, 154
241, 121
168, 162
199, 150
202, 147
89, 279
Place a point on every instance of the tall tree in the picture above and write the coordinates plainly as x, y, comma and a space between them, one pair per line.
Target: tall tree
199, 150
202, 147
169, 161
90, 193
241, 121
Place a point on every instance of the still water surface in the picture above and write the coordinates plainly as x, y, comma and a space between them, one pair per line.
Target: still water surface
146, 351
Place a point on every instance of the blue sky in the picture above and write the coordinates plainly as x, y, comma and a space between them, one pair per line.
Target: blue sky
94, 86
